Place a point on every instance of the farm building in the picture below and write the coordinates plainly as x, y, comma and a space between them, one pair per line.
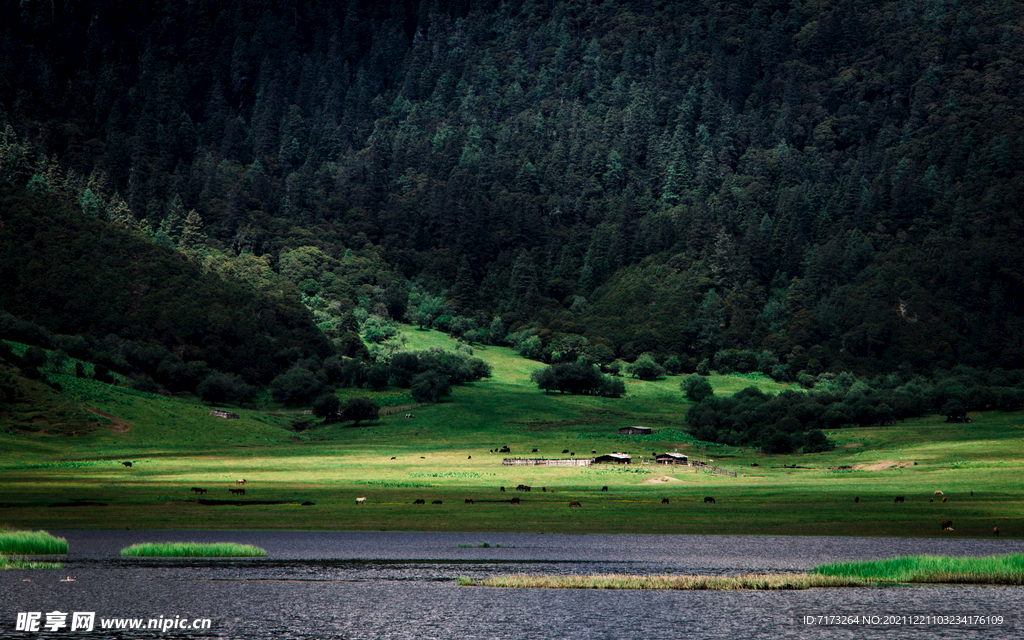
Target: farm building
616, 458
640, 431
672, 458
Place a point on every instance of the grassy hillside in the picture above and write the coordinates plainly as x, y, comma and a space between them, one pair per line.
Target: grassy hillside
444, 453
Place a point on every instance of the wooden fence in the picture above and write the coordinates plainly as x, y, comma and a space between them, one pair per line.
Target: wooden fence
544, 462
711, 469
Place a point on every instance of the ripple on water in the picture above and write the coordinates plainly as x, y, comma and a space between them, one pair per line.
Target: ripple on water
401, 585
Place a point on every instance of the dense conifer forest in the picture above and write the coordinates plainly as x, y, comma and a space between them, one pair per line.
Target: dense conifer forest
789, 187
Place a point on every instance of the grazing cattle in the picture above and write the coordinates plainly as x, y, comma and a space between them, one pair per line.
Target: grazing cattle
574, 503
237, 491
436, 502
664, 501
565, 451
972, 493
593, 451
573, 453
995, 531
469, 500
604, 488
943, 498
127, 464
947, 525
514, 500
419, 501
360, 500
469, 457
392, 457
544, 489
534, 451
503, 489
899, 499
931, 499
857, 499
938, 493
198, 490
709, 499
240, 481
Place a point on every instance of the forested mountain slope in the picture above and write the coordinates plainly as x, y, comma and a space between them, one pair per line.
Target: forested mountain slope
828, 185
102, 293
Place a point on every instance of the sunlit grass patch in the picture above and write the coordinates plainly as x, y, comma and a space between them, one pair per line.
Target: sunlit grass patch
747, 582
31, 543
1005, 569
192, 550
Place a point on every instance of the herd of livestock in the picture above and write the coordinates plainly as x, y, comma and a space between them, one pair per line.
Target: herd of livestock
945, 525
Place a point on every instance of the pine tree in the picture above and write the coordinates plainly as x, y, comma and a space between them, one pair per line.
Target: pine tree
192, 236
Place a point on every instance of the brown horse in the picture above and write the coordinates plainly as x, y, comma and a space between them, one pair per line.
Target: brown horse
575, 503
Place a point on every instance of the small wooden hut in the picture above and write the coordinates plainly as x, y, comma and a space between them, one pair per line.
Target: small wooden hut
670, 457
614, 458
640, 431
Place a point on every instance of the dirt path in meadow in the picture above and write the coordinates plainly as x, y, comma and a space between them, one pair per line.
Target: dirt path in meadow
660, 480
883, 465
117, 425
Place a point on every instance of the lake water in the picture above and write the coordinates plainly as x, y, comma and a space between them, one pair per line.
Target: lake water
402, 585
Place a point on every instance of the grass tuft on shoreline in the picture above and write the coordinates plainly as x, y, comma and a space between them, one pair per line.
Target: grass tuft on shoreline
748, 582
1004, 570
996, 570
8, 562
192, 550
31, 543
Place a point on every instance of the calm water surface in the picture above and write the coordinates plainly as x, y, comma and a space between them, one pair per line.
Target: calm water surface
402, 585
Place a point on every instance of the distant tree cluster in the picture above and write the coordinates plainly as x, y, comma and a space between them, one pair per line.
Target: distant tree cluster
578, 378
332, 410
794, 421
428, 374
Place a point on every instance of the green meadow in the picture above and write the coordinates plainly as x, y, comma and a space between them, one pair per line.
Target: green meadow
301, 474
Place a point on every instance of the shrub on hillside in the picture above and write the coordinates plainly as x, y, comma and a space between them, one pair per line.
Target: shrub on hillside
226, 388
359, 410
429, 386
297, 386
696, 387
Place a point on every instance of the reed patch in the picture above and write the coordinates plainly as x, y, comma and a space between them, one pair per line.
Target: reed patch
32, 543
1005, 569
192, 550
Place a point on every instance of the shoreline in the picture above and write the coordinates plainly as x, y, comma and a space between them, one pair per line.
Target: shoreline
997, 570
